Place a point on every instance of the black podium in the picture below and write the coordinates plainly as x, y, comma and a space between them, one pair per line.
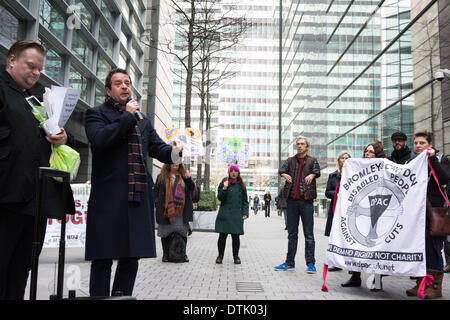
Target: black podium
54, 199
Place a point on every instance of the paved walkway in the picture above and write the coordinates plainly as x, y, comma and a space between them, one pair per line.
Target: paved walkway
262, 247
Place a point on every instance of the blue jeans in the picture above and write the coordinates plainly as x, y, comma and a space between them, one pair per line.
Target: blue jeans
297, 209
434, 260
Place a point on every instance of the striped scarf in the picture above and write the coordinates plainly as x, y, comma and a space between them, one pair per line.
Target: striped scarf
137, 176
174, 200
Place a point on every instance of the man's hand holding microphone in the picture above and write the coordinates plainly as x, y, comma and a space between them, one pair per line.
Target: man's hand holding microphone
133, 107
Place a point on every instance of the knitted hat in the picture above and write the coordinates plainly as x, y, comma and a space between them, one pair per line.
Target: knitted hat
234, 167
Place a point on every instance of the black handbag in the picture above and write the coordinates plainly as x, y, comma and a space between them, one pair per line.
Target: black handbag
177, 248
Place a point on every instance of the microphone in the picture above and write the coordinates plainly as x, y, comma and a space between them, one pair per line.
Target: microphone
138, 114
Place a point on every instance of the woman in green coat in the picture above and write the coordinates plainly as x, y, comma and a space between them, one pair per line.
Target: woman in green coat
233, 211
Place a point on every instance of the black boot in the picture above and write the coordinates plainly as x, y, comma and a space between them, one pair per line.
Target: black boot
219, 259
237, 260
354, 281
165, 246
186, 259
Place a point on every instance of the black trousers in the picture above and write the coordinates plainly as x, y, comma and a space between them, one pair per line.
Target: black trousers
267, 210
222, 241
16, 241
100, 278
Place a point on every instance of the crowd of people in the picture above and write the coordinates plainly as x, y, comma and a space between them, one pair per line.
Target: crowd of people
299, 193
119, 223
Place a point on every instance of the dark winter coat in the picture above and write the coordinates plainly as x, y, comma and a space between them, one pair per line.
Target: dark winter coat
23, 149
267, 199
115, 227
433, 193
291, 167
442, 174
400, 156
255, 203
233, 206
330, 192
280, 201
160, 196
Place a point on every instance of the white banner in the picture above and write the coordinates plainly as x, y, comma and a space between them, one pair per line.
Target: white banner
75, 224
379, 221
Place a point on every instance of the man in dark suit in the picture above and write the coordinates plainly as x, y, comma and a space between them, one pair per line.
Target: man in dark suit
120, 223
24, 147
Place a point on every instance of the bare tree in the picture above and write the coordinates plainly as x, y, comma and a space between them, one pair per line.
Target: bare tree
219, 31
205, 31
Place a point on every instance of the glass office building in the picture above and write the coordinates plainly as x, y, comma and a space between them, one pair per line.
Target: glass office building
84, 40
401, 67
245, 106
320, 57
358, 71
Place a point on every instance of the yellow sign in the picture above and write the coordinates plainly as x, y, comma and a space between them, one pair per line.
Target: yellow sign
171, 132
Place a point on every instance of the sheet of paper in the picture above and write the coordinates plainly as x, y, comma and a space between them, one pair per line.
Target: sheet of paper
63, 102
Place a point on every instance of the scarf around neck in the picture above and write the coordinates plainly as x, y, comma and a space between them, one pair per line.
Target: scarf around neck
137, 176
175, 197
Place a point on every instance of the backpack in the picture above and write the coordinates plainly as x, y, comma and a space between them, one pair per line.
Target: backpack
177, 248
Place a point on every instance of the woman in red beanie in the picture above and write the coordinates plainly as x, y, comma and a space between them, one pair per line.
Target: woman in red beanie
233, 211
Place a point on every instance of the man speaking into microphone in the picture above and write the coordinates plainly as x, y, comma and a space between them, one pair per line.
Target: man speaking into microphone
120, 220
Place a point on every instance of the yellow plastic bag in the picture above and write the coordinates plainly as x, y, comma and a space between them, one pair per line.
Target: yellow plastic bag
65, 158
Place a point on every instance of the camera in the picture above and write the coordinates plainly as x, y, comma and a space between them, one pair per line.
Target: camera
440, 74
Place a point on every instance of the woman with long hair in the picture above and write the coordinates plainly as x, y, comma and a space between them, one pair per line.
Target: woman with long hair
173, 201
232, 194
331, 192
372, 150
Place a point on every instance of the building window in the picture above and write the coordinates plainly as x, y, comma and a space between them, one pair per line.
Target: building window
106, 41
99, 95
25, 3
52, 19
9, 28
122, 61
82, 48
79, 82
133, 75
125, 11
103, 68
54, 65
87, 18
109, 15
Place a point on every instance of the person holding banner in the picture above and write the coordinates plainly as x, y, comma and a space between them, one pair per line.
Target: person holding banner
233, 211
332, 191
300, 173
372, 150
173, 202
24, 148
120, 220
433, 244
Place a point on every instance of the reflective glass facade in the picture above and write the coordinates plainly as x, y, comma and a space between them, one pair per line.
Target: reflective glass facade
357, 71
245, 106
